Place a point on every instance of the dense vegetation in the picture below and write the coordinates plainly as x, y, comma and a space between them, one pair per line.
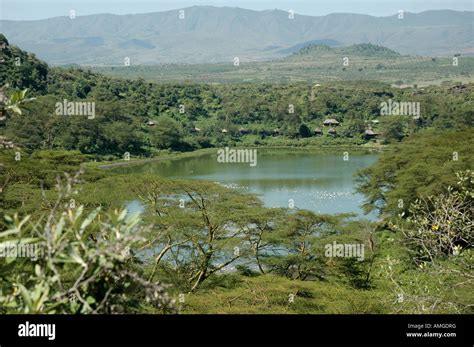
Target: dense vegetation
200, 247
188, 116
399, 176
221, 251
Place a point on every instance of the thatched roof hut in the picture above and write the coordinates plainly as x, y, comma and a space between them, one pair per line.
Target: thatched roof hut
151, 123
318, 131
370, 134
224, 131
4, 143
332, 131
331, 122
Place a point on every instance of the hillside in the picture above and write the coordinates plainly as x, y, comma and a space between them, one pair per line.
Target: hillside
218, 34
30, 73
140, 118
314, 63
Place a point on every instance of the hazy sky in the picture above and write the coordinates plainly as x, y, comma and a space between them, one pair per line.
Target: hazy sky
38, 9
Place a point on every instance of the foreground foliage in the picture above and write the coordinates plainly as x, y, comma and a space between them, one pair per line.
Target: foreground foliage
77, 262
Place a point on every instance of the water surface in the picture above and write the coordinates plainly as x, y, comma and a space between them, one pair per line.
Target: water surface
319, 181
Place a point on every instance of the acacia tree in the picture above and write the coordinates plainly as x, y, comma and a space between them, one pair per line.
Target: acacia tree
165, 214
299, 239
399, 177
199, 228
219, 215
262, 233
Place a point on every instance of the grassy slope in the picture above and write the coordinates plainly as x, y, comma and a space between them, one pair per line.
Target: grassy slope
270, 294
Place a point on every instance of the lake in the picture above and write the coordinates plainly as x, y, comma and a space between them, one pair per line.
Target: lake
320, 181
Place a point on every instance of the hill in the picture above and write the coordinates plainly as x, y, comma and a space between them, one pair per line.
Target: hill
361, 50
20, 69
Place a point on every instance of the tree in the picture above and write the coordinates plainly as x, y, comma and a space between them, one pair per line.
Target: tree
355, 127
202, 228
167, 133
402, 174
37, 127
304, 131
21, 70
299, 237
393, 129
262, 233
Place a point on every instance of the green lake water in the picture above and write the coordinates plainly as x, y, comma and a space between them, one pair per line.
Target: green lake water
316, 180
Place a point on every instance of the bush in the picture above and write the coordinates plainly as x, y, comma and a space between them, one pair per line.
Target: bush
443, 225
77, 262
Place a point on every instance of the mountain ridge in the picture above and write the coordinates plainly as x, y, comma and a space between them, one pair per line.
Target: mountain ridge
210, 34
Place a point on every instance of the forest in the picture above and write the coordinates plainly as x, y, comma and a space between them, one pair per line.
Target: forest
200, 247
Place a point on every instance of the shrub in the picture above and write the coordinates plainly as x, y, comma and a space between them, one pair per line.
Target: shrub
79, 263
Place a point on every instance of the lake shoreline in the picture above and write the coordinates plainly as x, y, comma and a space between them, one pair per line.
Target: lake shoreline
180, 155
316, 180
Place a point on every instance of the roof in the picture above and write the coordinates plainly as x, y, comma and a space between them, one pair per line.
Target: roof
332, 130
318, 130
331, 121
370, 132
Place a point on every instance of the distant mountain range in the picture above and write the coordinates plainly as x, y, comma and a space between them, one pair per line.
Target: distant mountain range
218, 34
